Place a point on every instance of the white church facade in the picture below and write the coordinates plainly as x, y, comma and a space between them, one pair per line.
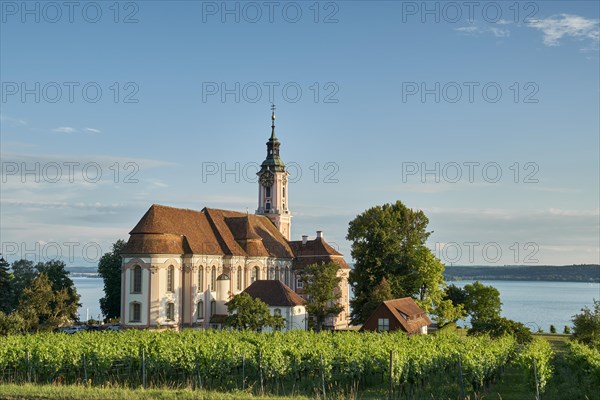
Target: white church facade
181, 266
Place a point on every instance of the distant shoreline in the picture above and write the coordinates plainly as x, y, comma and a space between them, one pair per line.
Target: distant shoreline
548, 273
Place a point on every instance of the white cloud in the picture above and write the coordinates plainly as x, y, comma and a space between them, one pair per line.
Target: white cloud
69, 129
12, 121
559, 26
64, 129
474, 30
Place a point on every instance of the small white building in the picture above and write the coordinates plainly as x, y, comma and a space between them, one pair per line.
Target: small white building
281, 301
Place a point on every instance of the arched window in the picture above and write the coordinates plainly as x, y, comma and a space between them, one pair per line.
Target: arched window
239, 278
170, 311
171, 279
200, 310
213, 278
255, 274
277, 274
245, 276
287, 276
136, 281
201, 279
213, 308
135, 312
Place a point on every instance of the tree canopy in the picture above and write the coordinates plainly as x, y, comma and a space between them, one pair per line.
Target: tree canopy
109, 268
6, 288
389, 242
482, 302
320, 285
586, 325
39, 298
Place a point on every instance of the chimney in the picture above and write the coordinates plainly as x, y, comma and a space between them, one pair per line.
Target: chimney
319, 234
304, 239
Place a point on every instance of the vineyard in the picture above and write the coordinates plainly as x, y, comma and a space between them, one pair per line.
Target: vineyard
278, 363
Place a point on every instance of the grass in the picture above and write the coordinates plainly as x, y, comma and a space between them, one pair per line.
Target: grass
73, 392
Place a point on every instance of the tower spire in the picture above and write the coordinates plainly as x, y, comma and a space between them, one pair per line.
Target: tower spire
273, 122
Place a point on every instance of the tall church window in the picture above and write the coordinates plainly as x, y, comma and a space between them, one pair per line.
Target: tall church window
255, 274
287, 276
136, 282
200, 310
171, 279
135, 312
268, 191
201, 279
239, 278
213, 308
213, 278
170, 311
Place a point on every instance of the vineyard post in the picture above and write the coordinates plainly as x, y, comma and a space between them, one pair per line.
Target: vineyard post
28, 368
243, 370
537, 386
143, 368
198, 370
460, 379
261, 372
85, 375
391, 388
323, 377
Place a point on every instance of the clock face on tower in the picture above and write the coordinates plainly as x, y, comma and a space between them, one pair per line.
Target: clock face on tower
267, 179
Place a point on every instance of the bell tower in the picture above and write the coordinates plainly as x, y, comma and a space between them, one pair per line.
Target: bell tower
273, 186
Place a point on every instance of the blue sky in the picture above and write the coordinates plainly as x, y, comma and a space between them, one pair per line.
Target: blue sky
375, 93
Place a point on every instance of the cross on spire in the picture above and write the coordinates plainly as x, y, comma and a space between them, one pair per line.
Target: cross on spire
272, 121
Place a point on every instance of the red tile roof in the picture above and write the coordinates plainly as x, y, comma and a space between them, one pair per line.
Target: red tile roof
210, 231
274, 293
315, 252
170, 230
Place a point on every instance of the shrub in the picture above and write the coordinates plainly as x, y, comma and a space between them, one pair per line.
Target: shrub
500, 326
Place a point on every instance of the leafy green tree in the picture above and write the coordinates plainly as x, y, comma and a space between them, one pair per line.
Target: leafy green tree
389, 241
6, 289
586, 325
109, 268
248, 313
42, 309
24, 273
320, 284
445, 312
457, 295
381, 293
60, 281
11, 324
499, 326
483, 302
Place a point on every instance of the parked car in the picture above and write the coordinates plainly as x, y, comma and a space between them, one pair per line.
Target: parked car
113, 327
72, 329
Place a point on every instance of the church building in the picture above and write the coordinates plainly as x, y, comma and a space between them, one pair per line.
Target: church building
181, 266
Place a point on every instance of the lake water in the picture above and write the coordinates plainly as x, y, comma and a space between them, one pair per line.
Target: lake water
541, 304
91, 291
535, 303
